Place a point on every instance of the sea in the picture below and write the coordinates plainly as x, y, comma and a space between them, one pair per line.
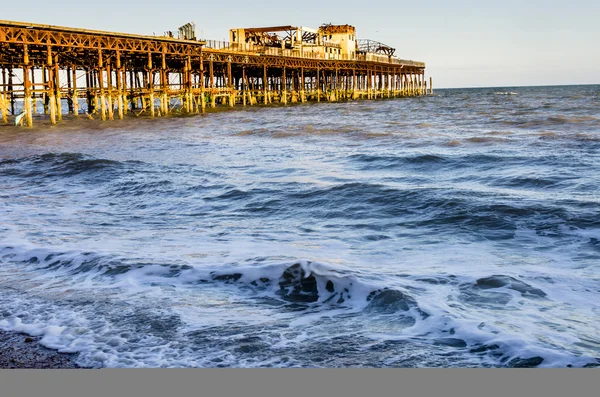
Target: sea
459, 229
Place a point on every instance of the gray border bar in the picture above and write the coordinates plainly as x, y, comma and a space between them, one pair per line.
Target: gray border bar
301, 382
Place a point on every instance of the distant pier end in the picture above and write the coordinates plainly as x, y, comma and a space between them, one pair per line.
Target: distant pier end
55, 70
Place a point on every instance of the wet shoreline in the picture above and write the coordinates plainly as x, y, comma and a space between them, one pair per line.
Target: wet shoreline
18, 350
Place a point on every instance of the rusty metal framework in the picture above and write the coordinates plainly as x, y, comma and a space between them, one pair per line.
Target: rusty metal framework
374, 47
117, 73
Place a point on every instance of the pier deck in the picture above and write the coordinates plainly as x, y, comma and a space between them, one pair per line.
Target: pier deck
108, 74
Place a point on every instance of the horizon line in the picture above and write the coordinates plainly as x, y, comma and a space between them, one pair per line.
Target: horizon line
518, 86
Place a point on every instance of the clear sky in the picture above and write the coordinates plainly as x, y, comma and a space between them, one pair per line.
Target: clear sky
465, 43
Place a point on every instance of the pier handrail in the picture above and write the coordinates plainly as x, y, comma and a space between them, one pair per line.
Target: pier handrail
304, 53
28, 25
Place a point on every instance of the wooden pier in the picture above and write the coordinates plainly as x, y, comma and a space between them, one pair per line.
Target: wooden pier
51, 71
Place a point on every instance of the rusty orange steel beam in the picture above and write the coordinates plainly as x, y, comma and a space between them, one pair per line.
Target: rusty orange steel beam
15, 33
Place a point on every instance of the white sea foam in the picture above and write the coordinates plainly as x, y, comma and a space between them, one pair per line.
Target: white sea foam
87, 314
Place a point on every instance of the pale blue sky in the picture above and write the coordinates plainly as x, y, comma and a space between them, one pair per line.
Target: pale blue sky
464, 43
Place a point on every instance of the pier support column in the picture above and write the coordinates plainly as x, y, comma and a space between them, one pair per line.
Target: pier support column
150, 103
417, 84
401, 83
336, 86
318, 82
211, 74
283, 86
202, 85
45, 85
414, 83
109, 82
119, 77
27, 88
57, 88
354, 84
133, 83
244, 89
27, 96
4, 98
102, 95
150, 84
164, 97
302, 86
4, 107
230, 87
190, 86
11, 91
124, 90
101, 86
250, 90
265, 85
187, 71
50, 88
88, 93
33, 96
293, 88
75, 94
373, 84
430, 86
69, 91
96, 82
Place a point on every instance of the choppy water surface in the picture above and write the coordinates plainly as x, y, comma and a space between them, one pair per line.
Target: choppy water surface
461, 229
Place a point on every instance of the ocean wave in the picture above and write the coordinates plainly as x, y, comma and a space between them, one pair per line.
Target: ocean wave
382, 162
296, 282
52, 165
556, 120
225, 246
434, 161
110, 314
